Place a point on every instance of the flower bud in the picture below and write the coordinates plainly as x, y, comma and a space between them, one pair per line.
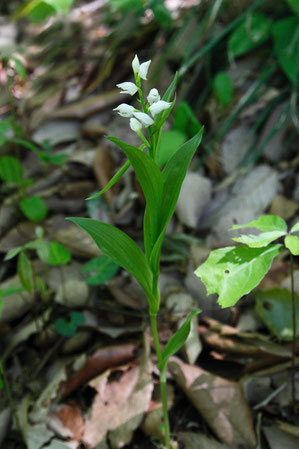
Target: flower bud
159, 106
135, 64
125, 110
145, 119
127, 88
135, 125
153, 96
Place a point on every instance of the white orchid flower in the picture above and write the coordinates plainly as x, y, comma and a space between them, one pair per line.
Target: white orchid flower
135, 64
159, 106
145, 119
135, 125
143, 69
125, 110
127, 88
153, 96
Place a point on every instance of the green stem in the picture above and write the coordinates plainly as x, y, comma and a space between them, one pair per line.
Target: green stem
293, 374
163, 384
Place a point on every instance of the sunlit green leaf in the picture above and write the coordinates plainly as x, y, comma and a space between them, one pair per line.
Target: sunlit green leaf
234, 271
265, 223
286, 46
25, 272
252, 32
292, 243
295, 228
34, 208
275, 309
177, 340
223, 87
100, 270
260, 240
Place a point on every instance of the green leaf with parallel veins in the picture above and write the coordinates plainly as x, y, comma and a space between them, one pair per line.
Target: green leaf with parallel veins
260, 240
275, 309
265, 223
112, 181
34, 208
25, 273
292, 243
223, 87
151, 181
295, 228
286, 46
234, 271
176, 341
123, 250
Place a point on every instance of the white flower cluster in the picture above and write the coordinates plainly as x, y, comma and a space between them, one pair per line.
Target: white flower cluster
155, 105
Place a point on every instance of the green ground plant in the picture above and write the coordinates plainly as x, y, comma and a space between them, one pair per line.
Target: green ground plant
234, 271
161, 189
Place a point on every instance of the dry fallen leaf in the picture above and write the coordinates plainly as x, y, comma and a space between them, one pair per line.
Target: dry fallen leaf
221, 403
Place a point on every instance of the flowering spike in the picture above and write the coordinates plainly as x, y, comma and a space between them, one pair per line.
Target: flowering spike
145, 119
127, 88
159, 106
135, 125
125, 110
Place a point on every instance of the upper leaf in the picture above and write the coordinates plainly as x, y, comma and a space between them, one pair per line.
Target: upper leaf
234, 271
123, 250
265, 223
176, 341
292, 243
260, 240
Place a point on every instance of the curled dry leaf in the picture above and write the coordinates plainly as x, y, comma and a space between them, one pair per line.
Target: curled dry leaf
220, 401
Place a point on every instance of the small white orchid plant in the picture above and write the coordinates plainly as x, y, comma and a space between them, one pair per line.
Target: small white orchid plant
161, 188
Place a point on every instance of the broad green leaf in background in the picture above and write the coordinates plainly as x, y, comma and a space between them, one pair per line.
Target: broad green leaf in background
275, 309
62, 6
252, 32
260, 240
174, 174
40, 10
294, 4
151, 181
161, 13
68, 328
58, 254
11, 171
100, 270
123, 250
25, 273
127, 5
286, 46
13, 253
34, 208
295, 228
223, 88
292, 243
265, 223
41, 247
170, 142
20, 68
176, 341
185, 120
234, 271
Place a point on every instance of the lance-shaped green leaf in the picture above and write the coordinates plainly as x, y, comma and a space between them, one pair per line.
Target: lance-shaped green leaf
11, 170
176, 341
260, 240
123, 250
112, 181
265, 223
171, 87
295, 228
234, 271
151, 181
173, 175
25, 272
292, 243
